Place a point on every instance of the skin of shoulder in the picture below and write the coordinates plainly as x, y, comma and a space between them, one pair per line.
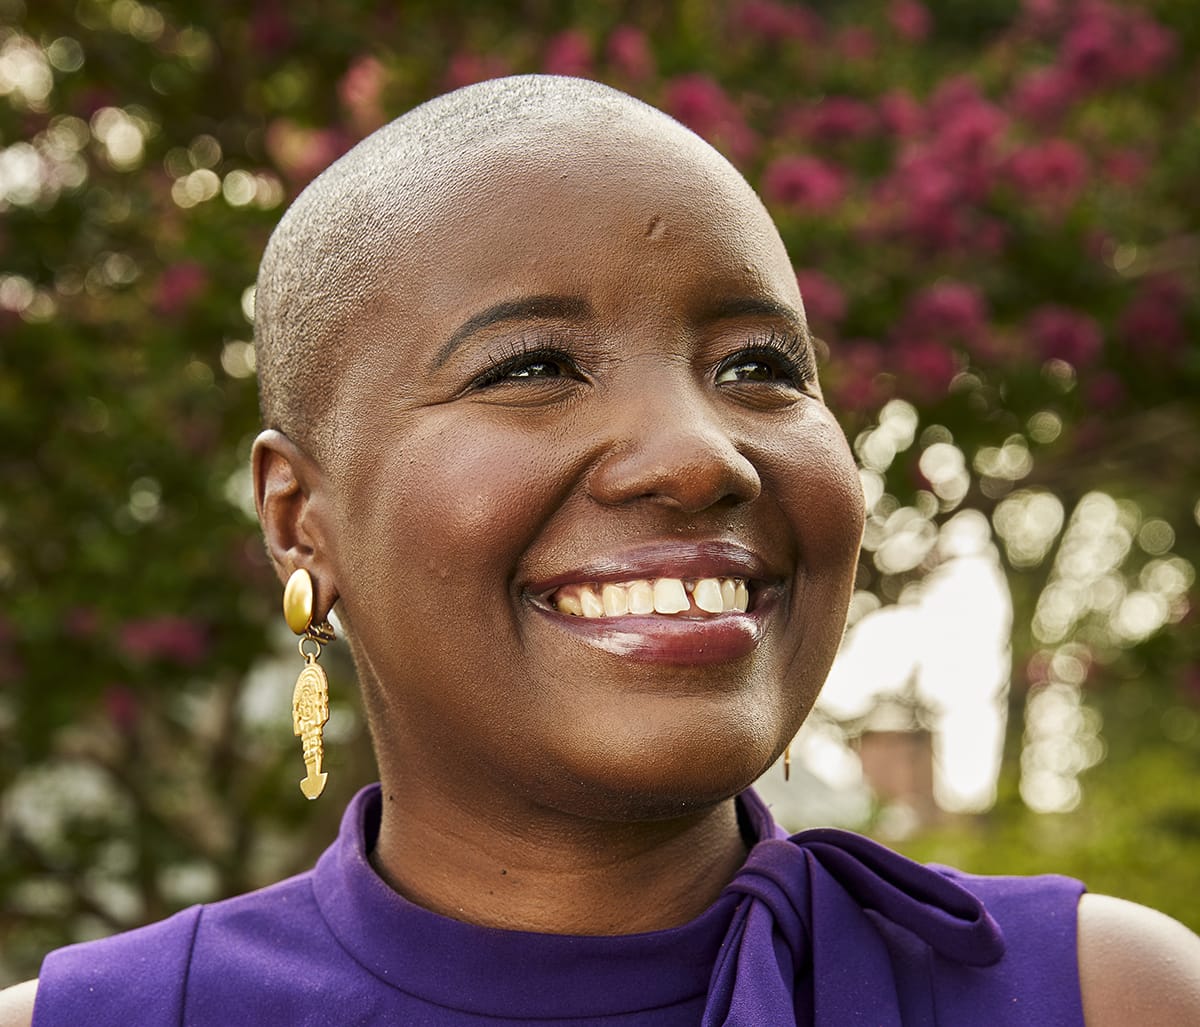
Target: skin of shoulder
16, 1004
1136, 965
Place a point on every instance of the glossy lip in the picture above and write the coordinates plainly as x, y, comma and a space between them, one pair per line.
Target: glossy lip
676, 639
713, 559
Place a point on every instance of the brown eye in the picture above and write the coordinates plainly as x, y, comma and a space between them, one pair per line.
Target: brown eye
750, 371
522, 367
775, 360
536, 369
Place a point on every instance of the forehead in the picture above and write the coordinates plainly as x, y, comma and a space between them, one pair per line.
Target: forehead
640, 219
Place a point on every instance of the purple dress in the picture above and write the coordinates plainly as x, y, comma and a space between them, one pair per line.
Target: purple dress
825, 927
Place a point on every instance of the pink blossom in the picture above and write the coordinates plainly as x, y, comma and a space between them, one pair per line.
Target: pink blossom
922, 199
807, 183
174, 639
700, 103
1053, 172
953, 93
949, 311
1151, 46
837, 118
1129, 167
900, 114
967, 132
910, 19
937, 228
568, 53
856, 371
824, 301
927, 366
361, 90
772, 20
1153, 323
1064, 334
1091, 48
467, 68
1041, 17
629, 52
300, 152
1107, 44
179, 286
1044, 95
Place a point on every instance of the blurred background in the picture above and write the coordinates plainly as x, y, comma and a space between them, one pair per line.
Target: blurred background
992, 209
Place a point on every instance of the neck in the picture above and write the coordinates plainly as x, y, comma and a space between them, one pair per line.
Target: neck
553, 873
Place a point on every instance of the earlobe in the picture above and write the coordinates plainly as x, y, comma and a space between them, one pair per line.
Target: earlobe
288, 489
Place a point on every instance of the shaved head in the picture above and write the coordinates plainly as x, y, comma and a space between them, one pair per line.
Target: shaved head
345, 236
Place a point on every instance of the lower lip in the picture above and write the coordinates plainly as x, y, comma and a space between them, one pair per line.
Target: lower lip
683, 641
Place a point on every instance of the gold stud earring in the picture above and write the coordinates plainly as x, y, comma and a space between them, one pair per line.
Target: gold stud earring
310, 697
787, 762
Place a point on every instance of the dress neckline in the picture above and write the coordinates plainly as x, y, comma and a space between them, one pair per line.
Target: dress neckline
489, 971
810, 930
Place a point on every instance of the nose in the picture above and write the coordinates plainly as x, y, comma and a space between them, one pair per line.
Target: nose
674, 450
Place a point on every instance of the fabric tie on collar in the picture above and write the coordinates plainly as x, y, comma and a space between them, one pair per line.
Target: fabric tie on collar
807, 914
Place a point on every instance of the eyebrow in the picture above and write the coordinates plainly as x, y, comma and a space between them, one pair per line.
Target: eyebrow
756, 306
568, 308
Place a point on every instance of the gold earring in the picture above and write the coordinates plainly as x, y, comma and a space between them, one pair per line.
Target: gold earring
310, 697
787, 762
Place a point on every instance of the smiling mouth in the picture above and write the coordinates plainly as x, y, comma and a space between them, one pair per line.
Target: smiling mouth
667, 597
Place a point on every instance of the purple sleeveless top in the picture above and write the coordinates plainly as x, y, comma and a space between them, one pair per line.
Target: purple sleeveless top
824, 927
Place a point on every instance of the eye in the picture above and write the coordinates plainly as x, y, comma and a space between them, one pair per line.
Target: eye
536, 368
775, 360
746, 368
534, 363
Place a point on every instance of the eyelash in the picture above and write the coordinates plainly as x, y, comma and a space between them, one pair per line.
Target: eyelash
788, 353
525, 352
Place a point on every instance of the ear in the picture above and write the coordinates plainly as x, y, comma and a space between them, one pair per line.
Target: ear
289, 495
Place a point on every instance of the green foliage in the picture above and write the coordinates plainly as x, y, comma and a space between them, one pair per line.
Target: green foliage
1137, 831
1013, 255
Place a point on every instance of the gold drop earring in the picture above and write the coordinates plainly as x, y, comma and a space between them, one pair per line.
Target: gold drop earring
310, 697
787, 762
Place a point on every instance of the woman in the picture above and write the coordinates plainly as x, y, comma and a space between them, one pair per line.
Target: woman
543, 423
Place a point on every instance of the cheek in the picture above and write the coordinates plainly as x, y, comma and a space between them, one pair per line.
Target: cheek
454, 500
816, 482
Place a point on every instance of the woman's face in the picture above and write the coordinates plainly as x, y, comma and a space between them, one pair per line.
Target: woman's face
586, 384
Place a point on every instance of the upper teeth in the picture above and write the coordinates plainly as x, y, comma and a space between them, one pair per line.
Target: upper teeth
662, 595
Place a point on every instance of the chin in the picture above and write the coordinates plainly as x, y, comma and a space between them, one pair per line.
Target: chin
659, 776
